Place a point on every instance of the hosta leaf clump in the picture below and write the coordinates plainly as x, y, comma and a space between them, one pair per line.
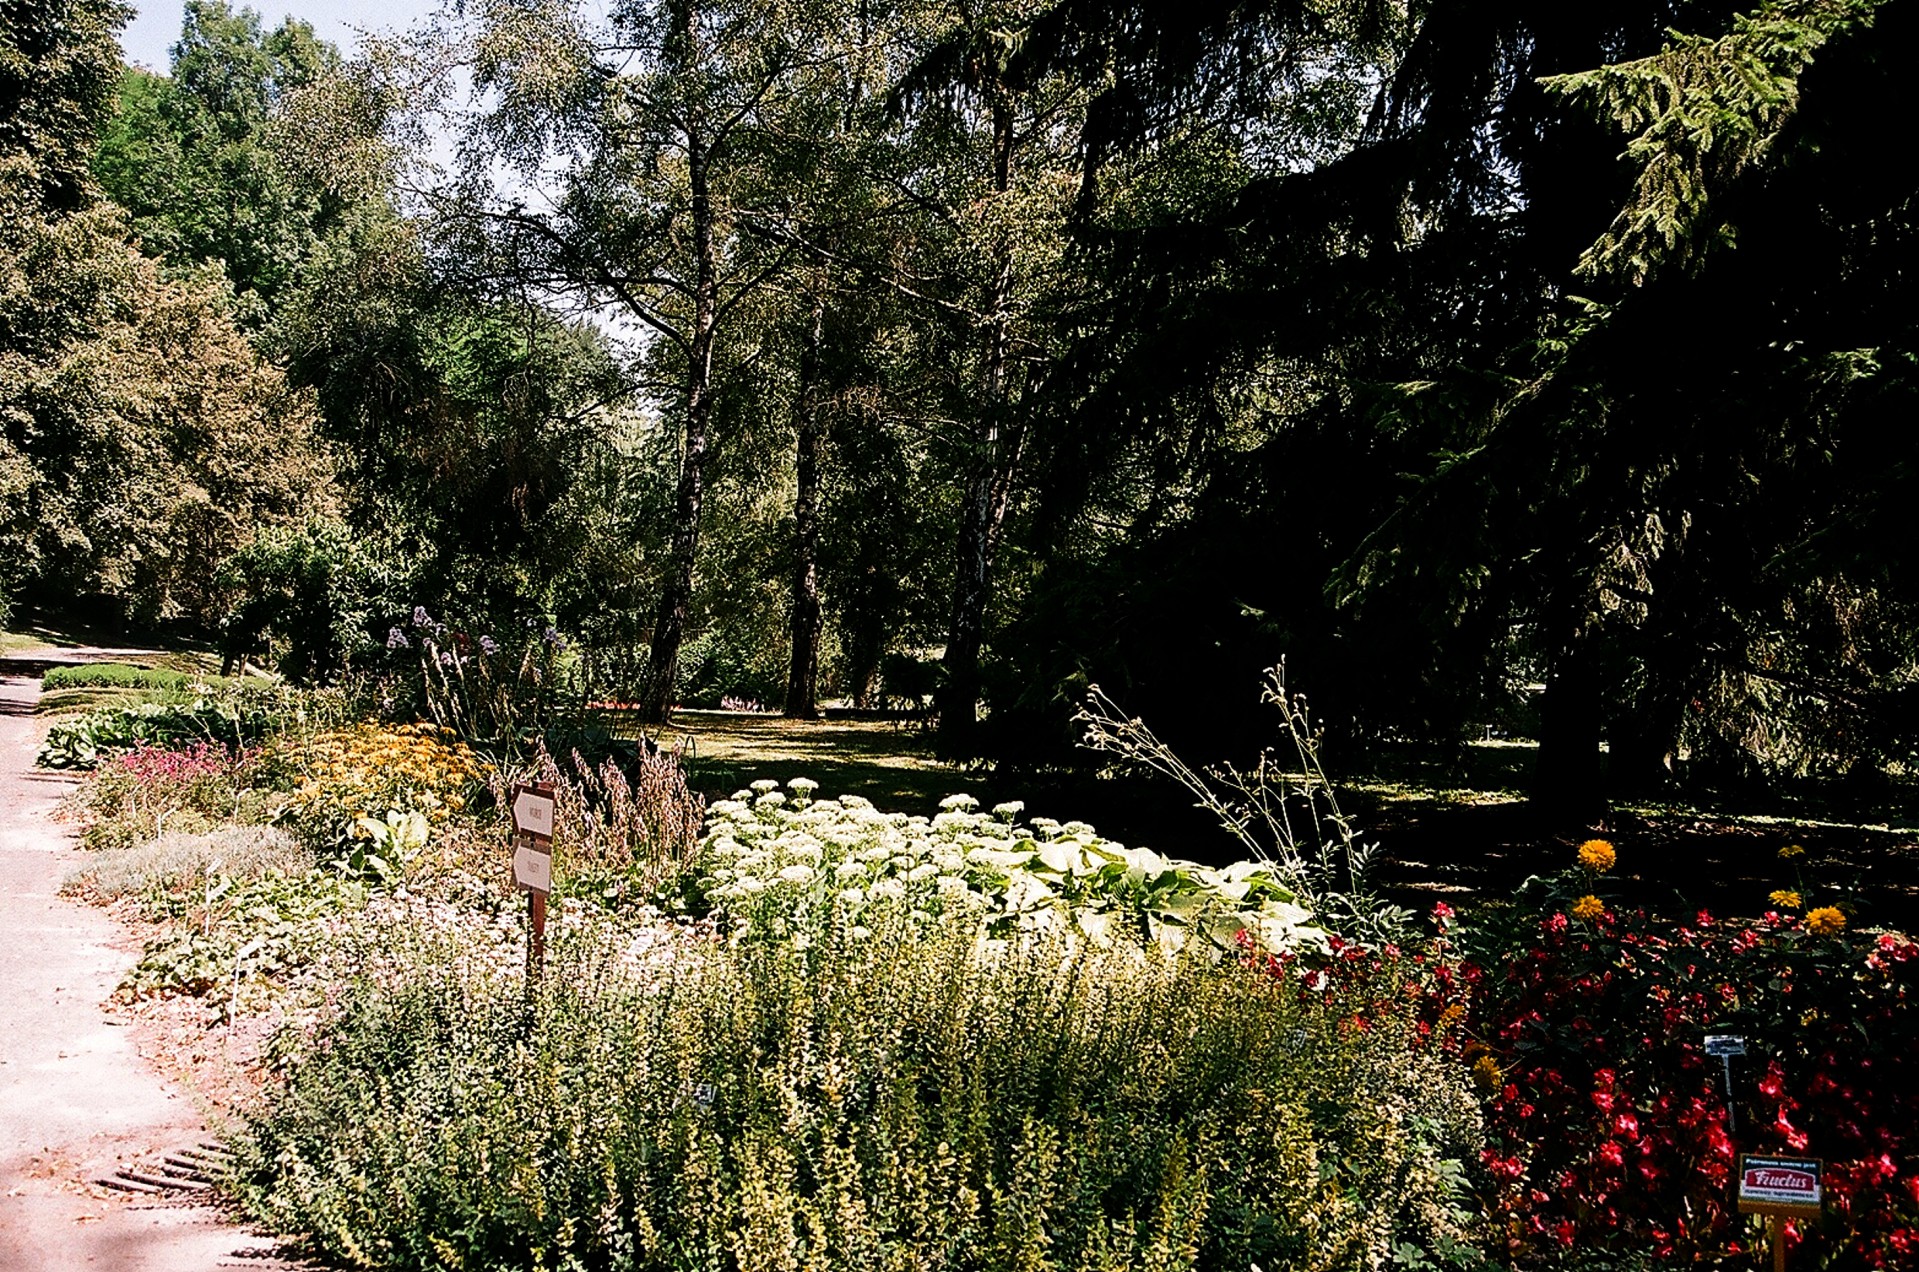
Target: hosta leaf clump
780, 862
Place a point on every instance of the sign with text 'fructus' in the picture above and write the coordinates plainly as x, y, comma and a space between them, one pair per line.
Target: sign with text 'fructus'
1780, 1185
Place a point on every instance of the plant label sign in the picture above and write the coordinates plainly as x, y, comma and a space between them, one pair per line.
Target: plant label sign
1780, 1185
1725, 1045
533, 812
533, 867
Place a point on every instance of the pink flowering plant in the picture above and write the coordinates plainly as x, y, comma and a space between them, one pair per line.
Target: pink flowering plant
147, 790
1610, 1127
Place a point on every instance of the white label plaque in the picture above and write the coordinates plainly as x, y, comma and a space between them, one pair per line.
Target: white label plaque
533, 868
533, 812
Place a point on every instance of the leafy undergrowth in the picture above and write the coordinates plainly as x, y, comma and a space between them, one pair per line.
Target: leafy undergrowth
900, 1098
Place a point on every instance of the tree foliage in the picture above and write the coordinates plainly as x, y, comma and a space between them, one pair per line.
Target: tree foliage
144, 438
191, 156
1490, 364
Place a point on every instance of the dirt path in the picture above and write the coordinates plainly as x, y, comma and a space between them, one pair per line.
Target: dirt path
76, 1100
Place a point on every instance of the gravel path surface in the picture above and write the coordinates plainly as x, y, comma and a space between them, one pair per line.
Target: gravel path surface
77, 1103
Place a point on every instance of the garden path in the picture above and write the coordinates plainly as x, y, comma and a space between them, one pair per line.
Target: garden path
76, 1099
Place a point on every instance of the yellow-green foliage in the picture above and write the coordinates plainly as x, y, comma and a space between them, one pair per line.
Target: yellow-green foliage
912, 1099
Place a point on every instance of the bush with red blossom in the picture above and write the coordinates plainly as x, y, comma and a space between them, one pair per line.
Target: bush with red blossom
1608, 1125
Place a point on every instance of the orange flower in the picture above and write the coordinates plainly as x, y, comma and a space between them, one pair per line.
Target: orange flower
1825, 921
1589, 908
1597, 856
1486, 1074
1787, 899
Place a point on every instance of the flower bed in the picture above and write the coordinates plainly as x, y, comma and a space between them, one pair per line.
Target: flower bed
778, 862
1610, 1124
356, 775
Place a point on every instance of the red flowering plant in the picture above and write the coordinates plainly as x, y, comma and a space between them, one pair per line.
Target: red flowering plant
1609, 1127
1420, 990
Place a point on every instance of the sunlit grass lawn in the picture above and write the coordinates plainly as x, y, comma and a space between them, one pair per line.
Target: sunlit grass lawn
891, 764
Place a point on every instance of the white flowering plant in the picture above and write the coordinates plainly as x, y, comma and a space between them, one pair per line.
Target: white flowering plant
779, 863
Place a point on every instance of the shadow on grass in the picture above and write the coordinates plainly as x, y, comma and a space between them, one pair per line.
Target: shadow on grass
1457, 830
890, 764
154, 649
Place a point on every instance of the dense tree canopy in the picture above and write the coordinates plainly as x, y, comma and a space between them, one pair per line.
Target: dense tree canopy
1492, 365
144, 436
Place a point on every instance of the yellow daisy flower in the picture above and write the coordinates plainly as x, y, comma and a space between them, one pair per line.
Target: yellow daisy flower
1597, 856
1826, 920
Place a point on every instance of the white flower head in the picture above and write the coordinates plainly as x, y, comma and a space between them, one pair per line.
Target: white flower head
1009, 810
959, 803
764, 785
771, 799
802, 785
797, 874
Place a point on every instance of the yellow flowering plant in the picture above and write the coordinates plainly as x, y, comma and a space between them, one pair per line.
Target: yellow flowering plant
1786, 899
1825, 920
1597, 855
349, 780
1589, 908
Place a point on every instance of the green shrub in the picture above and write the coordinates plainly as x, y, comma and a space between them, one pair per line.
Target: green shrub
112, 676
739, 658
237, 716
911, 1099
232, 933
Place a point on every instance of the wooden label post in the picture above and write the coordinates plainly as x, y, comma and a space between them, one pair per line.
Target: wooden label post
1780, 1188
532, 808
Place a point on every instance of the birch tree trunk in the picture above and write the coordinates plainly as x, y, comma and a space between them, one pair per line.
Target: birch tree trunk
669, 624
803, 669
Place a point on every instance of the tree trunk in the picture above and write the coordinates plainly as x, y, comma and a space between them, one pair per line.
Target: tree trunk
984, 511
803, 671
862, 628
1566, 777
669, 624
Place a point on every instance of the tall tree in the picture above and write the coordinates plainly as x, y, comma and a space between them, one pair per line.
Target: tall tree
59, 61
670, 117
143, 437
192, 155
993, 138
